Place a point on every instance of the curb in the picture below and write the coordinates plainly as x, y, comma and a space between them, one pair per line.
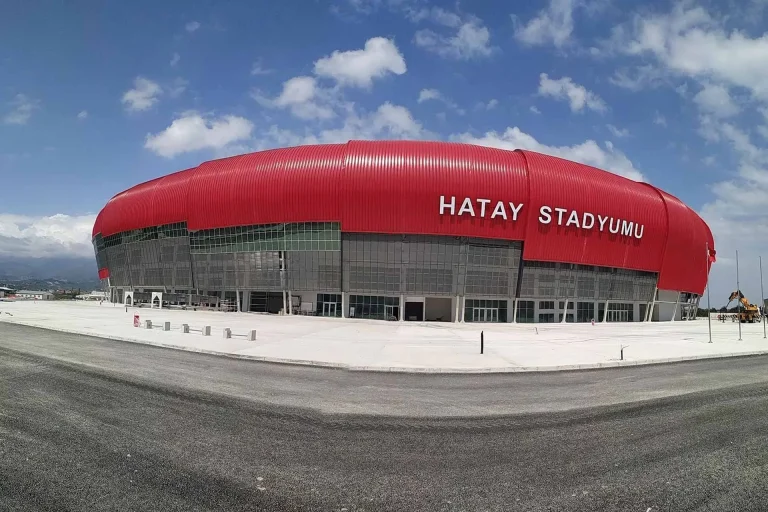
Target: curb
403, 369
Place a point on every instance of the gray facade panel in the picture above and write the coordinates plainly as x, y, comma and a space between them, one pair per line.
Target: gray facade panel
366, 265
543, 280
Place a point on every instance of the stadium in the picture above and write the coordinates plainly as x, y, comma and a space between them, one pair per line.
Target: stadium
406, 231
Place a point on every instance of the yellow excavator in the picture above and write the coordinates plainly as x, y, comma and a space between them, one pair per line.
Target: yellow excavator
749, 312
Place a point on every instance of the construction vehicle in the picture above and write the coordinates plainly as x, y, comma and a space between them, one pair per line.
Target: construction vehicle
748, 312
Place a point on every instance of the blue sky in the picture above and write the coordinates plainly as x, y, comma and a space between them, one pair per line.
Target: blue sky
94, 100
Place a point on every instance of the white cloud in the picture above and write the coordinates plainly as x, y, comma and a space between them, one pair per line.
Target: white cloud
492, 104
192, 26
83, 114
377, 59
736, 213
388, 121
435, 95
53, 236
709, 161
258, 69
620, 133
535, 110
565, 89
471, 40
143, 95
428, 94
553, 25
193, 132
641, 77
22, 107
589, 152
688, 41
302, 97
715, 99
175, 59
659, 119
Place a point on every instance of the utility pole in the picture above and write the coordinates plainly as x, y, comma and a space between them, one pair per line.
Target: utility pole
738, 292
762, 297
709, 304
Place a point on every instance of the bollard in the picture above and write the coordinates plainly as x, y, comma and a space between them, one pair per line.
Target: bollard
227, 333
148, 324
167, 326
481, 341
185, 328
252, 335
207, 330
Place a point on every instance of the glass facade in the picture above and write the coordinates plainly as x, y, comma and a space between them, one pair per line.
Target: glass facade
373, 269
305, 236
328, 304
374, 307
485, 310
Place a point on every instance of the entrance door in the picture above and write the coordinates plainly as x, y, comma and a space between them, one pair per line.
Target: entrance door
485, 314
329, 309
390, 312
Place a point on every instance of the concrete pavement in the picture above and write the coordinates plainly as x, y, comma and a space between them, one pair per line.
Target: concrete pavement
402, 346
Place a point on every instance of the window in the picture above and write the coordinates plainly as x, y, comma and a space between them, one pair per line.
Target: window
485, 310
525, 311
374, 307
546, 318
328, 304
547, 304
302, 236
585, 311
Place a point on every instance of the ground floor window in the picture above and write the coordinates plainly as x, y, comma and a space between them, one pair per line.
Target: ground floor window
328, 304
546, 318
484, 310
374, 307
568, 318
525, 311
585, 311
620, 312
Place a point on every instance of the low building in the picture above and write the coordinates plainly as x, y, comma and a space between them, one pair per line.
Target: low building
92, 296
36, 295
5, 292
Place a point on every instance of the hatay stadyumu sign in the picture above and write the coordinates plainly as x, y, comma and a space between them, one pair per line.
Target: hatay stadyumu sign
487, 209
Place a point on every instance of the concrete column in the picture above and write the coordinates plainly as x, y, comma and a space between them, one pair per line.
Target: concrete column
401, 316
511, 316
565, 311
344, 303
605, 313
456, 317
677, 303
237, 299
462, 302
290, 302
285, 304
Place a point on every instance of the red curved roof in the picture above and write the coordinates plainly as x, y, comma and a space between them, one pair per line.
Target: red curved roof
396, 187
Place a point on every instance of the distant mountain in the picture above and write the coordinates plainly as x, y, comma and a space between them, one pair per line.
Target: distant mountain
49, 273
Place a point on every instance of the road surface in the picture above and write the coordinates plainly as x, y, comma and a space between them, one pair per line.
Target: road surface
89, 424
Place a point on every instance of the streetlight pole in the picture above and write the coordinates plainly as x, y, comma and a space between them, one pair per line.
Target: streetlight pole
762, 296
709, 304
738, 294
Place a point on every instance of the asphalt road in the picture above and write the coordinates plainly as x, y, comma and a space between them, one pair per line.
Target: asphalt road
88, 424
